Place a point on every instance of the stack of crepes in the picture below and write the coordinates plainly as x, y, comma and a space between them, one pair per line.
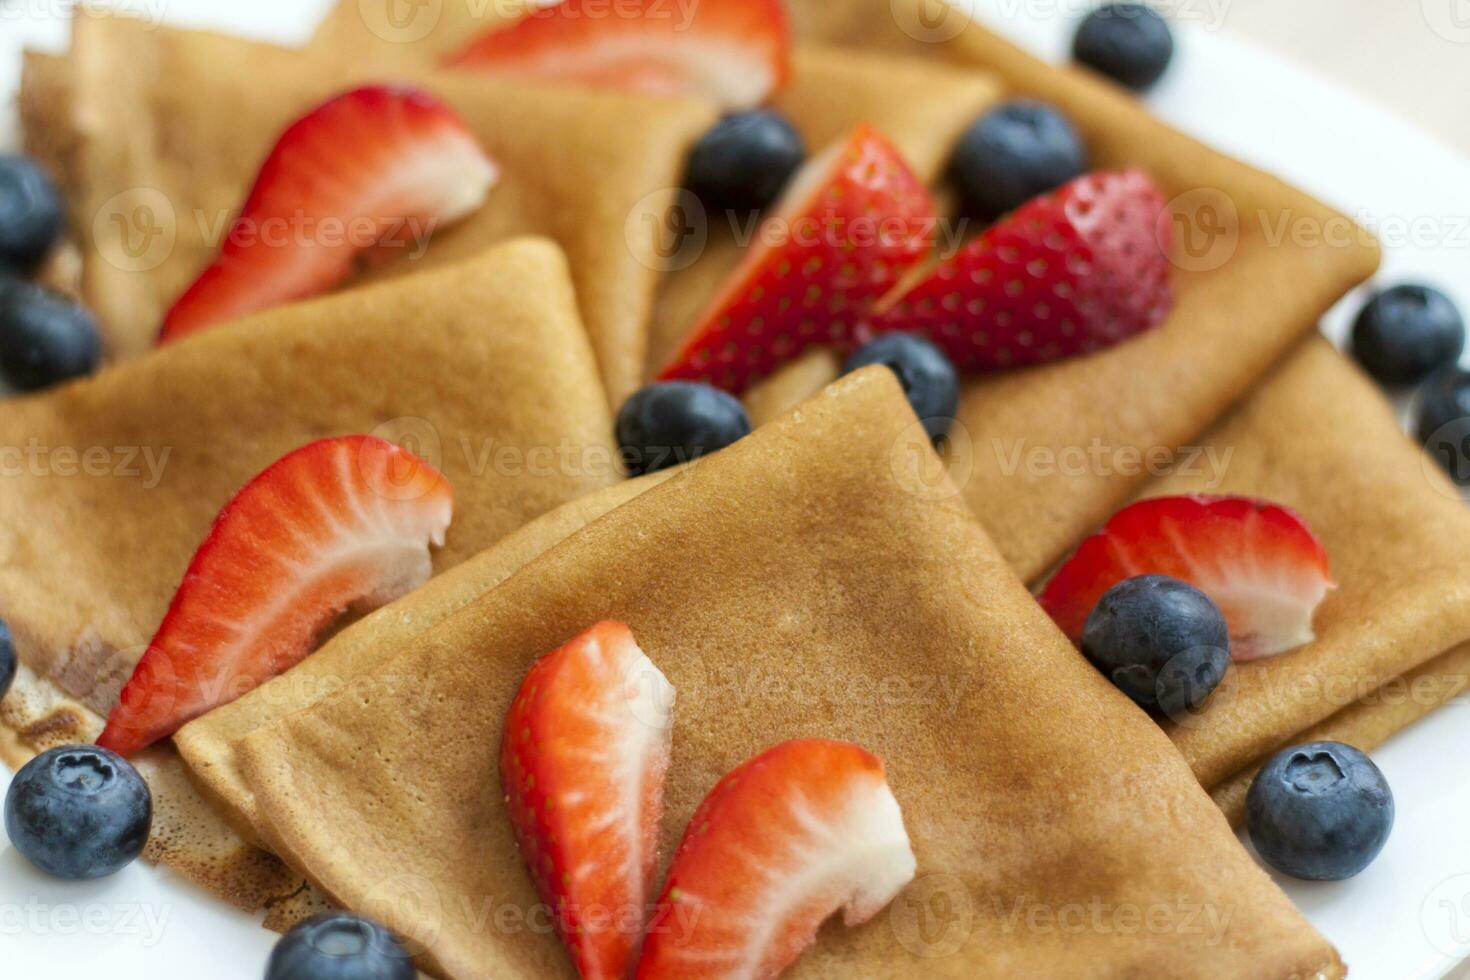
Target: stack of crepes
831, 544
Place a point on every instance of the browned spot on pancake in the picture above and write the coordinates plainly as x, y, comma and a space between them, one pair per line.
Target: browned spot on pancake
57, 728
244, 876
294, 909
192, 839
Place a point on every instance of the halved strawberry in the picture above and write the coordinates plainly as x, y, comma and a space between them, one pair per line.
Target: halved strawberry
855, 219
583, 760
1259, 562
339, 523
1069, 273
374, 170
734, 52
785, 840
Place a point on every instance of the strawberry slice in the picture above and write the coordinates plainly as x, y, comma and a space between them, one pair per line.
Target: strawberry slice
583, 760
1259, 562
340, 523
1070, 273
781, 843
854, 221
734, 52
370, 172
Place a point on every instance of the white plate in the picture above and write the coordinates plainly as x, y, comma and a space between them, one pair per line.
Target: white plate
1406, 916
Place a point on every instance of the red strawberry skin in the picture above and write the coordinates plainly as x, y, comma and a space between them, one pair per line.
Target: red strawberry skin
1259, 562
855, 220
804, 830
583, 761
734, 52
340, 523
366, 173
1070, 273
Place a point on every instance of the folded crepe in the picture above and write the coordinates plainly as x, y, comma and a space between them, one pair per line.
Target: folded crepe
208, 744
1394, 637
799, 583
1248, 289
171, 127
112, 483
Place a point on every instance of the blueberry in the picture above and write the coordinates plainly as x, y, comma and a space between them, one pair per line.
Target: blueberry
1128, 42
1161, 641
8, 659
31, 218
1320, 811
1444, 422
45, 338
339, 946
79, 812
1405, 333
673, 422
927, 376
1016, 152
744, 162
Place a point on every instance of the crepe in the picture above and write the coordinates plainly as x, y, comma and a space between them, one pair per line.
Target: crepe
794, 585
208, 744
172, 127
1318, 437
112, 482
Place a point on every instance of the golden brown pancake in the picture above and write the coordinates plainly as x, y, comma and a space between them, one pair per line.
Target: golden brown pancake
111, 483
208, 744
809, 580
172, 126
1319, 437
